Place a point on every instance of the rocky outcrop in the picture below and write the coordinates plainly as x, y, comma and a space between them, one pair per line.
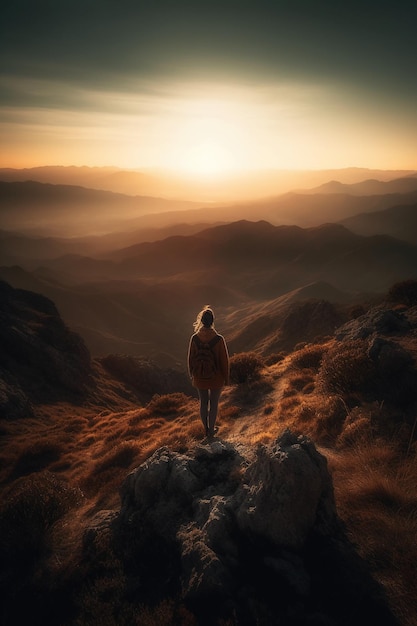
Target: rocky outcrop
247, 536
40, 358
381, 336
374, 322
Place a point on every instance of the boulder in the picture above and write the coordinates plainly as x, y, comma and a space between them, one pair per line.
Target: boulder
396, 371
243, 534
288, 493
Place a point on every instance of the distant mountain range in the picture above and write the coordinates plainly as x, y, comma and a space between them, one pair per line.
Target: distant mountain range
130, 272
143, 299
231, 187
256, 258
398, 221
66, 211
370, 187
32, 250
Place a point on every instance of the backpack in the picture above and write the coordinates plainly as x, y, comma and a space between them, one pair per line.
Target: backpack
204, 364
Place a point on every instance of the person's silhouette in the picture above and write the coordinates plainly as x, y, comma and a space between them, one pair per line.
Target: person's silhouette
208, 366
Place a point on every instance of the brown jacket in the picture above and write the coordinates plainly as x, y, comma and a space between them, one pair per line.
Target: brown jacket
221, 377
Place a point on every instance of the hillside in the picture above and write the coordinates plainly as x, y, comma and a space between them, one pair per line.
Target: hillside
42, 361
68, 210
307, 210
398, 221
33, 250
142, 299
253, 256
98, 490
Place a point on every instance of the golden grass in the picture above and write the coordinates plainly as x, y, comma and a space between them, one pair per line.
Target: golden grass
92, 450
375, 488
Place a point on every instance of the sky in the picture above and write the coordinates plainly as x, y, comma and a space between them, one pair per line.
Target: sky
208, 87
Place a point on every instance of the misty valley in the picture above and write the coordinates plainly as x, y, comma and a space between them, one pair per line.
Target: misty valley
134, 288
303, 509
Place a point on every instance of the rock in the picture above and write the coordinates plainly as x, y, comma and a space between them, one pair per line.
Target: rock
289, 493
374, 322
99, 526
389, 356
396, 371
14, 403
164, 488
204, 575
239, 534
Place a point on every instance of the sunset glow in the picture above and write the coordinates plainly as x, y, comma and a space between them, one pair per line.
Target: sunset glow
207, 91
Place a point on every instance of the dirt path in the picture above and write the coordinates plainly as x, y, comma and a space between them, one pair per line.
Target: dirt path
256, 421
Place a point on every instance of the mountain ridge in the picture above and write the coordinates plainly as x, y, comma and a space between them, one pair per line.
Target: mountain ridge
40, 207
239, 185
77, 211
146, 298
370, 186
398, 221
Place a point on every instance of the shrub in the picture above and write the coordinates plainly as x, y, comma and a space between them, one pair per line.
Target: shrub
245, 366
299, 382
274, 358
252, 392
30, 509
347, 370
358, 430
330, 418
169, 404
305, 413
308, 357
404, 292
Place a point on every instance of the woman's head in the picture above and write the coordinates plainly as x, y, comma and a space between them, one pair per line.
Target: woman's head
204, 319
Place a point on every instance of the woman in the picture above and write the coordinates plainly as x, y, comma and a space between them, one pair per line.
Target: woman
208, 365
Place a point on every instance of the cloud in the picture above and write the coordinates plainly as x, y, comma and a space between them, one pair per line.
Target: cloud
139, 68
106, 42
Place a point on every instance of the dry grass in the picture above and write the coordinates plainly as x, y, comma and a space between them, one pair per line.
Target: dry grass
88, 451
309, 357
245, 367
347, 370
376, 496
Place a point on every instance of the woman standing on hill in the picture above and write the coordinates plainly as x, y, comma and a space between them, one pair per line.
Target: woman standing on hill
208, 366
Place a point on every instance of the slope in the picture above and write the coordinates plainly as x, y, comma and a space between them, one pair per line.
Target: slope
68, 211
397, 221
68, 555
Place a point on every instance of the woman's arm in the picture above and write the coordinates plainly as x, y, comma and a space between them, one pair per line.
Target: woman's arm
191, 348
224, 361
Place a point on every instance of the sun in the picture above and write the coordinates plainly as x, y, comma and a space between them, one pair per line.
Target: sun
208, 137
206, 158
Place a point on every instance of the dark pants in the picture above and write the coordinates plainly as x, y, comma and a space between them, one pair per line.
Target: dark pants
209, 402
